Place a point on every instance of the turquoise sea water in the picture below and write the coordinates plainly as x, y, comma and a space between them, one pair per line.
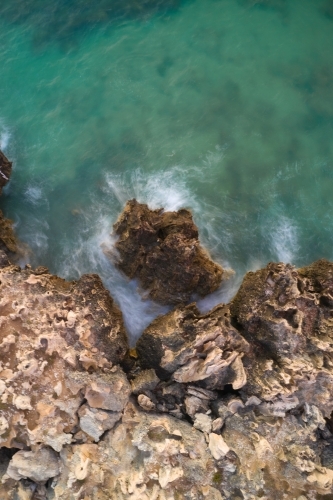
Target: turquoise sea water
222, 106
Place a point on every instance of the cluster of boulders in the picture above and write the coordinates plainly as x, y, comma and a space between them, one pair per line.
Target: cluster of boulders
232, 404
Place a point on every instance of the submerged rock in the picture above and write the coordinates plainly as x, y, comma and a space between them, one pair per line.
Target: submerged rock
162, 250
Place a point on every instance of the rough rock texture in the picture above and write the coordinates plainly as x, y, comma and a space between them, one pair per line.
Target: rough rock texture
59, 341
146, 457
162, 250
5, 170
287, 317
39, 466
189, 347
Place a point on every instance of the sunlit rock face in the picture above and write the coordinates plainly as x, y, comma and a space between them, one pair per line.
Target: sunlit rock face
162, 250
60, 344
146, 456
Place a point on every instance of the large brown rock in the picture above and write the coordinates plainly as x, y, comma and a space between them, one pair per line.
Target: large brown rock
162, 250
5, 170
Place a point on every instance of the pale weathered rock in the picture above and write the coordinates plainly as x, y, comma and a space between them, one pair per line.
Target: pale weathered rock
190, 347
162, 250
217, 446
146, 403
145, 457
95, 422
38, 466
202, 422
58, 341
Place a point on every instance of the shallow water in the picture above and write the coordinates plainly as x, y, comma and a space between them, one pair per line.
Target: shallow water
222, 106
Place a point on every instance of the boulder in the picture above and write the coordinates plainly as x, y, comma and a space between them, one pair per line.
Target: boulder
162, 250
188, 347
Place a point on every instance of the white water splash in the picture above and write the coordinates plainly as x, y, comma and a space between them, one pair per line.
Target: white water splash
5, 137
284, 239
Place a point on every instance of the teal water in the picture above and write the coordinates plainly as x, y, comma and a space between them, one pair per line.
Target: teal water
222, 106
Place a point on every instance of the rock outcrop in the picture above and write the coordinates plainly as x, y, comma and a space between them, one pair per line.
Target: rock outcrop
286, 316
60, 346
188, 347
162, 250
8, 241
5, 170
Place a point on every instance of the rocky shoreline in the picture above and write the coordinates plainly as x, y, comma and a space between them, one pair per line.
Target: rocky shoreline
232, 404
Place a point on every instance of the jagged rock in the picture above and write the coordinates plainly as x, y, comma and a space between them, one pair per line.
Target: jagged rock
146, 457
146, 380
202, 422
276, 457
162, 250
38, 466
286, 316
94, 422
5, 170
8, 241
58, 343
189, 347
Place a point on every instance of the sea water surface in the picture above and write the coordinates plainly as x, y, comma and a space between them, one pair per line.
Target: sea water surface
221, 106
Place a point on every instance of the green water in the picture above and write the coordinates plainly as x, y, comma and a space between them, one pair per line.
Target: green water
223, 106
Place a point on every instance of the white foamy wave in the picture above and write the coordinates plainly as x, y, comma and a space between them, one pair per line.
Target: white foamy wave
168, 189
35, 195
284, 239
5, 136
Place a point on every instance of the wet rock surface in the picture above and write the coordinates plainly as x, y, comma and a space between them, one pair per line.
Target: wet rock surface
162, 250
286, 316
8, 241
5, 170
